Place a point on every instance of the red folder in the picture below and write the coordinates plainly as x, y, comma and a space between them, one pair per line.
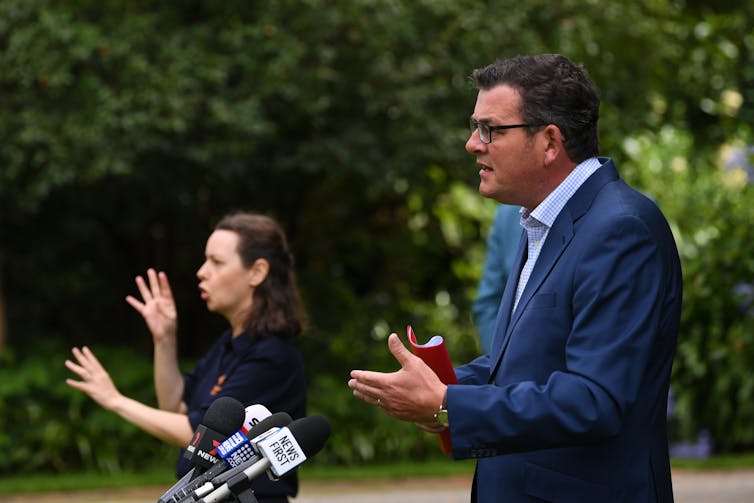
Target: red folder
435, 355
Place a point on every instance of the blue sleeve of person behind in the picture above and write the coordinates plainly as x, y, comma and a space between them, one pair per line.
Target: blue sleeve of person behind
502, 244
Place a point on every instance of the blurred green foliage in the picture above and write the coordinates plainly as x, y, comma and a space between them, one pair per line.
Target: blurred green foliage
129, 127
706, 196
47, 426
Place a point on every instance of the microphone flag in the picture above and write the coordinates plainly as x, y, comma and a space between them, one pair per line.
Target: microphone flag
282, 450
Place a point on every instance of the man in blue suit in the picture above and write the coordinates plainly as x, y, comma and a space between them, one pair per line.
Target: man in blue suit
569, 406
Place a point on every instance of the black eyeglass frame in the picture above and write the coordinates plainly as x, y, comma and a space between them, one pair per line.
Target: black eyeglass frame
476, 126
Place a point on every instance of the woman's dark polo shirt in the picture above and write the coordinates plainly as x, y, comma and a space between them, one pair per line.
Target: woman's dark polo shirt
267, 371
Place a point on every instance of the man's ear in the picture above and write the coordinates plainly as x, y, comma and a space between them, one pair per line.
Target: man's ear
554, 146
258, 272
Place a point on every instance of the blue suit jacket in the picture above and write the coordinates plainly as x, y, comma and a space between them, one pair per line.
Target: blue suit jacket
569, 406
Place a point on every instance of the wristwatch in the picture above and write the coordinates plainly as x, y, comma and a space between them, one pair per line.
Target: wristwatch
441, 416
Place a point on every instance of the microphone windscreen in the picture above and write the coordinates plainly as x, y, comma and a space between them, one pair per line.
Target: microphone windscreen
225, 415
311, 433
278, 419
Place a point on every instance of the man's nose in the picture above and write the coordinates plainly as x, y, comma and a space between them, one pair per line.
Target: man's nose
474, 144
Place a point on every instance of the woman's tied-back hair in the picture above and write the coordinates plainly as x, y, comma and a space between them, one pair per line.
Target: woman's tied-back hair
276, 304
554, 90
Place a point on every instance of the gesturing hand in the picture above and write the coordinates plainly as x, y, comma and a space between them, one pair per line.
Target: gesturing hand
95, 381
412, 393
157, 307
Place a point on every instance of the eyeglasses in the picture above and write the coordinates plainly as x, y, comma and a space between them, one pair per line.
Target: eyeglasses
485, 130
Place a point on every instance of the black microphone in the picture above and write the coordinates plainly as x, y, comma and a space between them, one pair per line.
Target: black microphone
187, 487
223, 417
280, 451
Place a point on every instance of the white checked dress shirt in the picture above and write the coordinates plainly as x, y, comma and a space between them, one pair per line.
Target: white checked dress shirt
538, 221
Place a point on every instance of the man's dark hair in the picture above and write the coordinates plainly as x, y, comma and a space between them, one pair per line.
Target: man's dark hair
554, 90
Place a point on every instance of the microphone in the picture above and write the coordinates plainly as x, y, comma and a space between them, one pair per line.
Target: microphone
224, 416
254, 414
280, 451
216, 419
186, 487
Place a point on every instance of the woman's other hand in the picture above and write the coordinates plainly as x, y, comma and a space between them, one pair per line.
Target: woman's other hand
95, 380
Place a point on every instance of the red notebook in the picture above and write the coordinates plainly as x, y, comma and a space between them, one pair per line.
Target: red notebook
435, 355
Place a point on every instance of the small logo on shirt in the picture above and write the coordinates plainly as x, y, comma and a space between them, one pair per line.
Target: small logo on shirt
219, 386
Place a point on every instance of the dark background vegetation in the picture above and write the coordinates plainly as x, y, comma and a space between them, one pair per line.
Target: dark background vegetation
127, 128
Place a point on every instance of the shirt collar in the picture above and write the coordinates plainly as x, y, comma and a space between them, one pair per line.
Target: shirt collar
237, 345
547, 211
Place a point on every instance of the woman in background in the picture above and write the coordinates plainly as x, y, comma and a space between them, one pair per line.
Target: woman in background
247, 277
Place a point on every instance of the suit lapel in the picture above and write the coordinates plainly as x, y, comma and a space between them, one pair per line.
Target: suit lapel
558, 238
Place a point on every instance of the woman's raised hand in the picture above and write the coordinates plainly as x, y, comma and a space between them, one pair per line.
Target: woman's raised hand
157, 306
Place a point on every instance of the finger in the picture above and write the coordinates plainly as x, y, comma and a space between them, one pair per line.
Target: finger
73, 383
398, 350
143, 290
80, 357
75, 368
367, 379
362, 396
363, 390
360, 387
135, 303
154, 284
80, 371
93, 363
359, 383
165, 289
84, 359
371, 399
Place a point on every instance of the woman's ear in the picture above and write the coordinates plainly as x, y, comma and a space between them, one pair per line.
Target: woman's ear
258, 272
